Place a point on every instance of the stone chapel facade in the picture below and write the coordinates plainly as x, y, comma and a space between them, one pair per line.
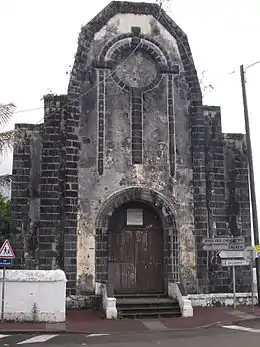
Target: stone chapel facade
130, 171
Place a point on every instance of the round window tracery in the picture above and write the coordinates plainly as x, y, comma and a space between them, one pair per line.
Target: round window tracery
138, 71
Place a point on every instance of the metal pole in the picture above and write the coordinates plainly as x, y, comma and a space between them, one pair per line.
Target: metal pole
234, 286
251, 177
252, 282
3, 297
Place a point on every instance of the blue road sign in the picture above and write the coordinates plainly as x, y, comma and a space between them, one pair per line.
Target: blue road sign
5, 262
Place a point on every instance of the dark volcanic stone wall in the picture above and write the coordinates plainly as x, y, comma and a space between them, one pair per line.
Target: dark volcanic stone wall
227, 197
25, 196
237, 197
51, 235
219, 277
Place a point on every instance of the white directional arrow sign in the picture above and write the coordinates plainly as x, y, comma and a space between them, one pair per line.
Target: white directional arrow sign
231, 254
223, 244
234, 262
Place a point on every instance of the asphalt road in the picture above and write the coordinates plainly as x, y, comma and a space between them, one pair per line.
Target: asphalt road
213, 337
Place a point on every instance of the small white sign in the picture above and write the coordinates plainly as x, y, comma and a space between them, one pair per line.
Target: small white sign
134, 216
231, 254
234, 262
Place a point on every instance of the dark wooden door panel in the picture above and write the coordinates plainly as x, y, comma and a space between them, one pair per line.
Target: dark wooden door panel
135, 259
149, 264
123, 277
122, 247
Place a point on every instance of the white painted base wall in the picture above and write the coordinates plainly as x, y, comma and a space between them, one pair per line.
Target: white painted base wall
223, 299
183, 300
109, 304
34, 295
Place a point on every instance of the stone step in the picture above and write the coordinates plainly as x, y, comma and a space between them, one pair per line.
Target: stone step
156, 308
149, 295
147, 306
151, 314
145, 300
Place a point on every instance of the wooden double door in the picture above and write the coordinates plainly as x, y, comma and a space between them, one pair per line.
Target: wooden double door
135, 256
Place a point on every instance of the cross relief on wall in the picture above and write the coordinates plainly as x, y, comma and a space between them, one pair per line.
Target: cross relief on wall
136, 65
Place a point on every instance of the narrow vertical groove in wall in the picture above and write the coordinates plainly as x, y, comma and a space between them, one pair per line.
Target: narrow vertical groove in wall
137, 129
171, 120
101, 120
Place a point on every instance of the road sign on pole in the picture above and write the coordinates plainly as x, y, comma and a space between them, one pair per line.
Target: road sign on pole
249, 253
6, 256
223, 243
234, 262
6, 262
230, 254
6, 251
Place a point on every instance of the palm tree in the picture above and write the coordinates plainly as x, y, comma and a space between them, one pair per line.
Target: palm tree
7, 138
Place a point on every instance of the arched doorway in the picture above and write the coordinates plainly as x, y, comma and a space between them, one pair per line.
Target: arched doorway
136, 249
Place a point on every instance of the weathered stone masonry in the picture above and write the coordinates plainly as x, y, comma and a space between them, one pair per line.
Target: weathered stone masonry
132, 127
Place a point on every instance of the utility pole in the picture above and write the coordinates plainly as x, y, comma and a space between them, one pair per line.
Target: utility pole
251, 177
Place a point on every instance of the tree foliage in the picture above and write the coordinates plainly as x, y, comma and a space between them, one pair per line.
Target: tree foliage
7, 138
6, 228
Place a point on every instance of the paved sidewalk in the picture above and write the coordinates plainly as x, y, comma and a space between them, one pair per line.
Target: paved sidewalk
89, 321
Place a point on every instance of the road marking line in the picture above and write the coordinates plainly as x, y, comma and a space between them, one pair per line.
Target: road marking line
3, 336
238, 327
39, 338
96, 335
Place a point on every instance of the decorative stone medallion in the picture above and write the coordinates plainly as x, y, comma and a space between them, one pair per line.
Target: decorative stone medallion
138, 71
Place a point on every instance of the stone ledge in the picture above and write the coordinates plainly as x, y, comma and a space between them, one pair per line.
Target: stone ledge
82, 301
223, 299
34, 276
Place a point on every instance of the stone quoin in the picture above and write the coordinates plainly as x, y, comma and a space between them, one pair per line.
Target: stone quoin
130, 171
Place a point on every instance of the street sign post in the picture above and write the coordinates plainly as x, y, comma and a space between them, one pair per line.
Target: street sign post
234, 262
6, 257
6, 262
223, 243
230, 248
250, 254
230, 254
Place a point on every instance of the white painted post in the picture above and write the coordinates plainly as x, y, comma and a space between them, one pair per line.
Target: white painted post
3, 297
234, 286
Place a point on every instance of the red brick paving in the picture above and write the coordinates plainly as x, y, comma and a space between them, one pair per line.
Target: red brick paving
91, 321
249, 309
202, 316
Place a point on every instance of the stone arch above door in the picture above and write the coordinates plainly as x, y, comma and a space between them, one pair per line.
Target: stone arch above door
170, 234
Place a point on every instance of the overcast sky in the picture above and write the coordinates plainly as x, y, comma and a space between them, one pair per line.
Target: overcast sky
39, 39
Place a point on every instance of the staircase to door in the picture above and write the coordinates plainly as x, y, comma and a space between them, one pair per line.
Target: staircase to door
147, 306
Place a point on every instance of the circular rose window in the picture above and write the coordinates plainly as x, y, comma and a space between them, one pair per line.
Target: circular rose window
137, 71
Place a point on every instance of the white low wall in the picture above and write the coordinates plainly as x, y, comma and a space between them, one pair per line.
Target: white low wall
183, 300
109, 304
34, 295
225, 299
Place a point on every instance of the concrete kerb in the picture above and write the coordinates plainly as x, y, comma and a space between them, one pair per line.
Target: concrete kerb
66, 331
